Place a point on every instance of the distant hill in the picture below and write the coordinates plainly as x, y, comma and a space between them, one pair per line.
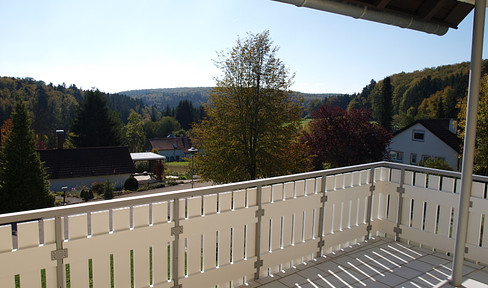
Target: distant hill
164, 97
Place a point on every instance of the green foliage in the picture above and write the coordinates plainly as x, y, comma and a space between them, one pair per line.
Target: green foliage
86, 195
95, 125
161, 128
97, 187
481, 148
108, 190
383, 107
253, 119
54, 107
131, 184
135, 137
437, 163
24, 184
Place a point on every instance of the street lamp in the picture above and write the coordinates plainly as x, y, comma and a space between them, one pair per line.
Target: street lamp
64, 188
192, 150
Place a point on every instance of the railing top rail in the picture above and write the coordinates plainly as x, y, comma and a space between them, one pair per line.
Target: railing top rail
174, 195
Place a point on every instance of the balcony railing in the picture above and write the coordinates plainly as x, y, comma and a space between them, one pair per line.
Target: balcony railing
226, 235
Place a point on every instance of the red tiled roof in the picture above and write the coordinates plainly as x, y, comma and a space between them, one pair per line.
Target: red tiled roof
171, 143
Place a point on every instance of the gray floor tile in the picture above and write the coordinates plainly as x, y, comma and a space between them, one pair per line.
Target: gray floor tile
434, 260
291, 280
406, 272
390, 279
310, 273
480, 276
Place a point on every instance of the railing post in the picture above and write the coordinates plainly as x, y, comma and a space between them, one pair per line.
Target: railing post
259, 215
58, 254
323, 199
401, 191
176, 231
370, 204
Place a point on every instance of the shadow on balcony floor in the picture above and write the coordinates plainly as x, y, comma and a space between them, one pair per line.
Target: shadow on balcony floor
377, 263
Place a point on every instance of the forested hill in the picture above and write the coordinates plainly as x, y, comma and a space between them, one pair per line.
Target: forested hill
164, 97
428, 93
54, 107
172, 96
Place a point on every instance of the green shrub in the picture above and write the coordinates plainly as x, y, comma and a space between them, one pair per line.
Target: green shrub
437, 163
108, 190
86, 195
131, 184
97, 187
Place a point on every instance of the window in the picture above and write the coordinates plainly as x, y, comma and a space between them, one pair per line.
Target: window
418, 135
396, 156
413, 158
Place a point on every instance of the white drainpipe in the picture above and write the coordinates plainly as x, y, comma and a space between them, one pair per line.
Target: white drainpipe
366, 13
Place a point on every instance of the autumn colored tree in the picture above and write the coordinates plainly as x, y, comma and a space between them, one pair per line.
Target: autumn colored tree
23, 184
342, 138
252, 117
481, 148
5, 130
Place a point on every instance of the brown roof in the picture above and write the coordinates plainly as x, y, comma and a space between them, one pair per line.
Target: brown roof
171, 143
86, 162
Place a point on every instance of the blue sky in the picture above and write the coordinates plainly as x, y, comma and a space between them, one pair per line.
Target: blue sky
125, 45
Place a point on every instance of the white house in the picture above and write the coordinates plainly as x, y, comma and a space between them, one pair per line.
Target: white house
426, 138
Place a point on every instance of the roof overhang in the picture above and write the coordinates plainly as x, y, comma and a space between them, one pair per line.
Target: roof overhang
430, 16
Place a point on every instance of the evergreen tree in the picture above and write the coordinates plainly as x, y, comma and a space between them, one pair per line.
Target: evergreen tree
23, 184
184, 114
383, 108
95, 125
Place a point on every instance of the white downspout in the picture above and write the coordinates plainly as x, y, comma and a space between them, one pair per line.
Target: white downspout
469, 141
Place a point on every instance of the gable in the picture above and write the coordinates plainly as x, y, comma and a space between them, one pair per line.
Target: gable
87, 162
439, 128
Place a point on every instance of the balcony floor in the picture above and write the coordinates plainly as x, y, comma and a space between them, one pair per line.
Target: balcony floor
377, 263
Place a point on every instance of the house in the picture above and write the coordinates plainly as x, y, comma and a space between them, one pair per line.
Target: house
173, 148
427, 138
83, 166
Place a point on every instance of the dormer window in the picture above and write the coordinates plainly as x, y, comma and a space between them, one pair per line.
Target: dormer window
418, 135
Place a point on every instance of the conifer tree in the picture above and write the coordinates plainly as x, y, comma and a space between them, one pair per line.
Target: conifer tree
95, 125
23, 184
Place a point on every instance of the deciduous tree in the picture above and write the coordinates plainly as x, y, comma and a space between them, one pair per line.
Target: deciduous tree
341, 138
134, 136
481, 149
252, 117
23, 184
